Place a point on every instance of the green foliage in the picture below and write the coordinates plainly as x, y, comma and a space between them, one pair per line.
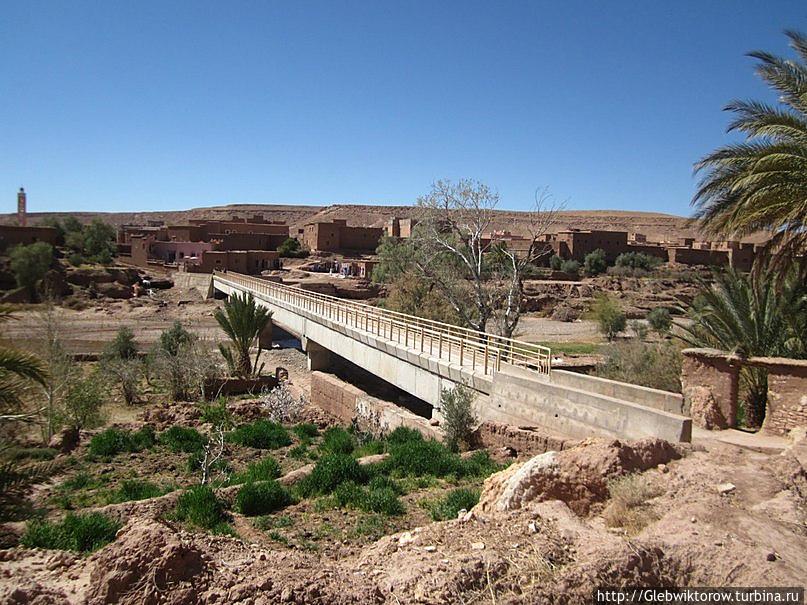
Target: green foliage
261, 434
135, 489
403, 434
595, 263
414, 294
75, 259
243, 321
263, 470
199, 506
172, 339
329, 472
660, 320
423, 457
451, 504
98, 241
637, 260
555, 262
609, 316
337, 440
182, 439
759, 184
570, 266
657, 366
33, 453
395, 258
115, 441
123, 346
80, 533
261, 498
290, 248
380, 496
30, 263
458, 416
305, 431
217, 414
751, 315
82, 403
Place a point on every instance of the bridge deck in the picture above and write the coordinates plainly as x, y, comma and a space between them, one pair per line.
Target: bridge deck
480, 353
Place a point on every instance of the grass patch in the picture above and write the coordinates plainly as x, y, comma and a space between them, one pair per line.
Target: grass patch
200, 507
115, 441
180, 439
261, 498
299, 452
449, 506
329, 472
135, 489
80, 533
628, 507
263, 470
261, 434
33, 453
337, 440
305, 431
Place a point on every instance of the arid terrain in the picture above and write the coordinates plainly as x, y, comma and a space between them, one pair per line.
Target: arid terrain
652, 224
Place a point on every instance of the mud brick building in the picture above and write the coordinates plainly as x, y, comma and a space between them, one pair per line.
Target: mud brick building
337, 235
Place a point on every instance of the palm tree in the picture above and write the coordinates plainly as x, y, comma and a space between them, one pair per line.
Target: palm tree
761, 183
243, 321
750, 315
16, 370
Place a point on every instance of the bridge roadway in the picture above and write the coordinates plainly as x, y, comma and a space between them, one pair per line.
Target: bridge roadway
417, 355
514, 379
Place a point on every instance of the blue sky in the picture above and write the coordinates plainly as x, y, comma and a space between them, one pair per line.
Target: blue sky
122, 106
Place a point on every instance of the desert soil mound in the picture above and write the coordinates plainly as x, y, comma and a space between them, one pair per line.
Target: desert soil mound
544, 531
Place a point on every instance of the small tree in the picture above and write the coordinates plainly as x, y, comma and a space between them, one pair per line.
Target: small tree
458, 416
123, 346
610, 317
30, 263
99, 241
570, 266
282, 406
555, 262
243, 321
83, 402
660, 320
121, 363
595, 263
291, 248
182, 363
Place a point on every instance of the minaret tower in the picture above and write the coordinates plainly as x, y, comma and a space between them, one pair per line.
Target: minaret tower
21, 215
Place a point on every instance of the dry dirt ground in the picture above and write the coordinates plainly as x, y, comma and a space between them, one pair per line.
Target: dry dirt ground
540, 534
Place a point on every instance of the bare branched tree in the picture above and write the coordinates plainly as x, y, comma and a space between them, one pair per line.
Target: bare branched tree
212, 453
456, 249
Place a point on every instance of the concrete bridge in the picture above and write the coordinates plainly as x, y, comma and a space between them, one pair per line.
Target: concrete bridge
514, 380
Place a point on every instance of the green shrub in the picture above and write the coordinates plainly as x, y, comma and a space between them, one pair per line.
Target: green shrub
299, 452
422, 457
261, 498
30, 263
369, 448
610, 317
75, 259
80, 533
478, 464
337, 440
595, 263
199, 506
458, 416
305, 431
657, 366
115, 441
660, 320
135, 489
263, 470
555, 262
349, 493
81, 480
637, 260
452, 503
383, 500
404, 434
33, 453
380, 496
261, 434
217, 414
329, 472
123, 346
182, 439
570, 266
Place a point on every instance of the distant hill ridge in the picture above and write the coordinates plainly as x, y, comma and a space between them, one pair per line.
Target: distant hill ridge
653, 224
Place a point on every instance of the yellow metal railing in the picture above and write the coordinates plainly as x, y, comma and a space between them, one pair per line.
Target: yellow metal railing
465, 347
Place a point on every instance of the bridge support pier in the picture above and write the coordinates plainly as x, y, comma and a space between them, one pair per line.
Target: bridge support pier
319, 358
265, 339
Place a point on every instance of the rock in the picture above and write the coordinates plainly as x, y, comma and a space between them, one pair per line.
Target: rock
663, 468
461, 513
477, 546
115, 290
430, 548
65, 440
406, 538
704, 409
434, 422
55, 284
725, 488
771, 556
532, 527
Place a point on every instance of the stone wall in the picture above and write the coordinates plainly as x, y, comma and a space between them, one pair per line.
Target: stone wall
529, 441
710, 384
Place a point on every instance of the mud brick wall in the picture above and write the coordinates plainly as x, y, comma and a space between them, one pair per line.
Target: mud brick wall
335, 396
717, 374
525, 441
787, 393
